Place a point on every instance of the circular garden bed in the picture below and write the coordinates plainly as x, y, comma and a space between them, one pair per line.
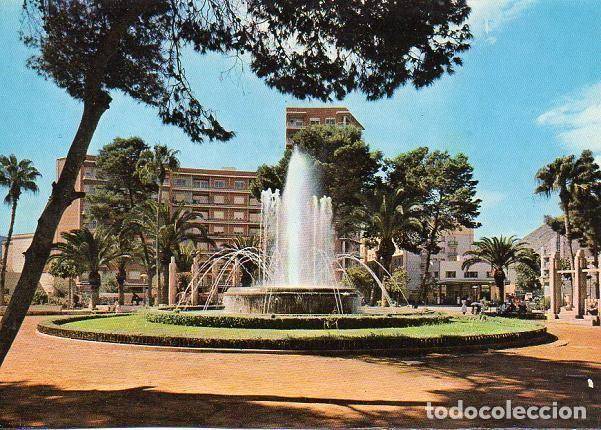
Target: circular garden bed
428, 333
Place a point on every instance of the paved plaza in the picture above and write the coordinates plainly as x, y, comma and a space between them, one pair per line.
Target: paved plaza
58, 382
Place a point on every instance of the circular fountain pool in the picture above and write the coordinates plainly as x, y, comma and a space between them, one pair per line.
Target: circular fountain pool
292, 300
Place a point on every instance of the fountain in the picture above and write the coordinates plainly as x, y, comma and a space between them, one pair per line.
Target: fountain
297, 269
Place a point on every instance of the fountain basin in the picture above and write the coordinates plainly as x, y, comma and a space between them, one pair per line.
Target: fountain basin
291, 300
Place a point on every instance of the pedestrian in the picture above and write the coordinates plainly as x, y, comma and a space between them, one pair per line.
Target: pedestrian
463, 306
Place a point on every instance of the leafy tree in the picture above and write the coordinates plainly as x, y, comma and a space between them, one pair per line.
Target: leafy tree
344, 163
17, 176
569, 177
359, 278
445, 188
388, 215
501, 253
398, 285
528, 275
587, 224
175, 228
321, 50
64, 268
153, 167
120, 192
89, 252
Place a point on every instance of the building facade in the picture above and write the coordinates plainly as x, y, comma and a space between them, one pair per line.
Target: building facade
298, 118
221, 197
452, 283
15, 262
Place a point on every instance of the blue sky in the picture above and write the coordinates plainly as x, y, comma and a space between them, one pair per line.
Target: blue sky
529, 91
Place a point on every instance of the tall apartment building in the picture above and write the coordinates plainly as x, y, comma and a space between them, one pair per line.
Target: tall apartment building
221, 196
301, 117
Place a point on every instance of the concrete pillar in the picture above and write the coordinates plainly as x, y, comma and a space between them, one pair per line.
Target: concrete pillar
554, 285
172, 281
579, 294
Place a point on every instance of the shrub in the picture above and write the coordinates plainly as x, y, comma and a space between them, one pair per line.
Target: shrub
39, 297
291, 322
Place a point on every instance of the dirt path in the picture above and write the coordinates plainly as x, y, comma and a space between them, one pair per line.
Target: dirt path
64, 383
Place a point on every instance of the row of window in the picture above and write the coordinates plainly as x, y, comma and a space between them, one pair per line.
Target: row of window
235, 216
204, 199
297, 122
467, 275
238, 184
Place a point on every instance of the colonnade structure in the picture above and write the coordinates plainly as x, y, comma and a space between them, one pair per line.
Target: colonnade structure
579, 300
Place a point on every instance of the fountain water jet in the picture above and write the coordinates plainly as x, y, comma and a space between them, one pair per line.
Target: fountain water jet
297, 237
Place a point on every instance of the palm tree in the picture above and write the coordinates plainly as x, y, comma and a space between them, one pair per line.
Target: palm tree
500, 253
89, 251
569, 177
175, 227
153, 166
387, 215
17, 176
248, 267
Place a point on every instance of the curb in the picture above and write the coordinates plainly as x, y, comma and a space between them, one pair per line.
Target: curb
397, 345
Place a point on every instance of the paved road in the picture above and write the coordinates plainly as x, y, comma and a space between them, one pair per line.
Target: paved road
57, 382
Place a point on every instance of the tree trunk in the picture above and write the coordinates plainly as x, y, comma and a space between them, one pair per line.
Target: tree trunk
165, 288
156, 245
94, 280
96, 102
13, 211
61, 197
120, 278
384, 255
149, 278
426, 277
500, 284
70, 283
566, 223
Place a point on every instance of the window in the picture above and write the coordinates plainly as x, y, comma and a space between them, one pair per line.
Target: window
255, 217
314, 121
203, 215
219, 183
471, 275
239, 185
134, 274
331, 121
201, 183
238, 230
218, 229
345, 120
295, 122
180, 182
253, 202
450, 274
219, 199
218, 214
253, 231
435, 275
200, 199
239, 200
89, 172
239, 215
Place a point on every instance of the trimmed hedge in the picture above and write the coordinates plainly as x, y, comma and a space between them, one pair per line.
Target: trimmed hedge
338, 343
296, 322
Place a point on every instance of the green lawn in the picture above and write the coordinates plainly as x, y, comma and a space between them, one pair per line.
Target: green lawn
137, 324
